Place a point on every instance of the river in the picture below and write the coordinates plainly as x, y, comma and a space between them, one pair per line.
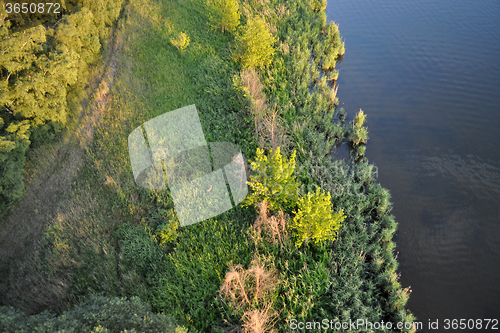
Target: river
427, 74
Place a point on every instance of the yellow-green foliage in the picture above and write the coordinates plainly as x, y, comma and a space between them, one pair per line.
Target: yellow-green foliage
359, 133
168, 233
181, 42
273, 180
315, 219
224, 14
44, 59
360, 119
255, 44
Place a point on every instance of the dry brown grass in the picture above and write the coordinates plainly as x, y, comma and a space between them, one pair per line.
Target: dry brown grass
333, 92
251, 292
259, 320
269, 228
269, 128
272, 133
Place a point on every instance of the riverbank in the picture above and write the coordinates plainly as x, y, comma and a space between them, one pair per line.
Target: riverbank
110, 237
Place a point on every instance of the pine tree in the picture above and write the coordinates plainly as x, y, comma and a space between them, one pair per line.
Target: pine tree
255, 45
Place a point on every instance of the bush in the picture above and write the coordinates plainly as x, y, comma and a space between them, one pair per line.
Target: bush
181, 42
13, 146
44, 58
315, 219
139, 250
97, 314
273, 181
255, 45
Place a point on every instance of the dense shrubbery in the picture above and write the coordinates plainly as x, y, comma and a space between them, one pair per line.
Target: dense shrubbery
358, 134
273, 180
43, 58
97, 314
356, 276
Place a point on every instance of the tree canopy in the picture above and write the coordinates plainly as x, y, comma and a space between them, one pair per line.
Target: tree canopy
42, 58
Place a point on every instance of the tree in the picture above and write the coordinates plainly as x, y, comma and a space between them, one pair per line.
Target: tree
255, 45
181, 42
39, 60
224, 14
273, 180
79, 33
315, 220
105, 13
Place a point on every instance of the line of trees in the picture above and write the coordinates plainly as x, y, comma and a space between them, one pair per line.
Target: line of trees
42, 59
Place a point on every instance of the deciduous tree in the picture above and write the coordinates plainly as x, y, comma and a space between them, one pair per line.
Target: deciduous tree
255, 44
273, 180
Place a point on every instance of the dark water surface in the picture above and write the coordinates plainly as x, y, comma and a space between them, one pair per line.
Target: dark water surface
427, 73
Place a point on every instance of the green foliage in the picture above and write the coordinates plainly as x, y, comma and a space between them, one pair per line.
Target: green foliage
139, 250
189, 280
338, 281
315, 220
349, 279
224, 14
42, 60
167, 233
13, 145
273, 180
97, 314
359, 133
79, 34
181, 41
105, 13
318, 5
331, 48
255, 44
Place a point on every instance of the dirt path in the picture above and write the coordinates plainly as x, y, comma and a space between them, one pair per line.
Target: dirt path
20, 230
